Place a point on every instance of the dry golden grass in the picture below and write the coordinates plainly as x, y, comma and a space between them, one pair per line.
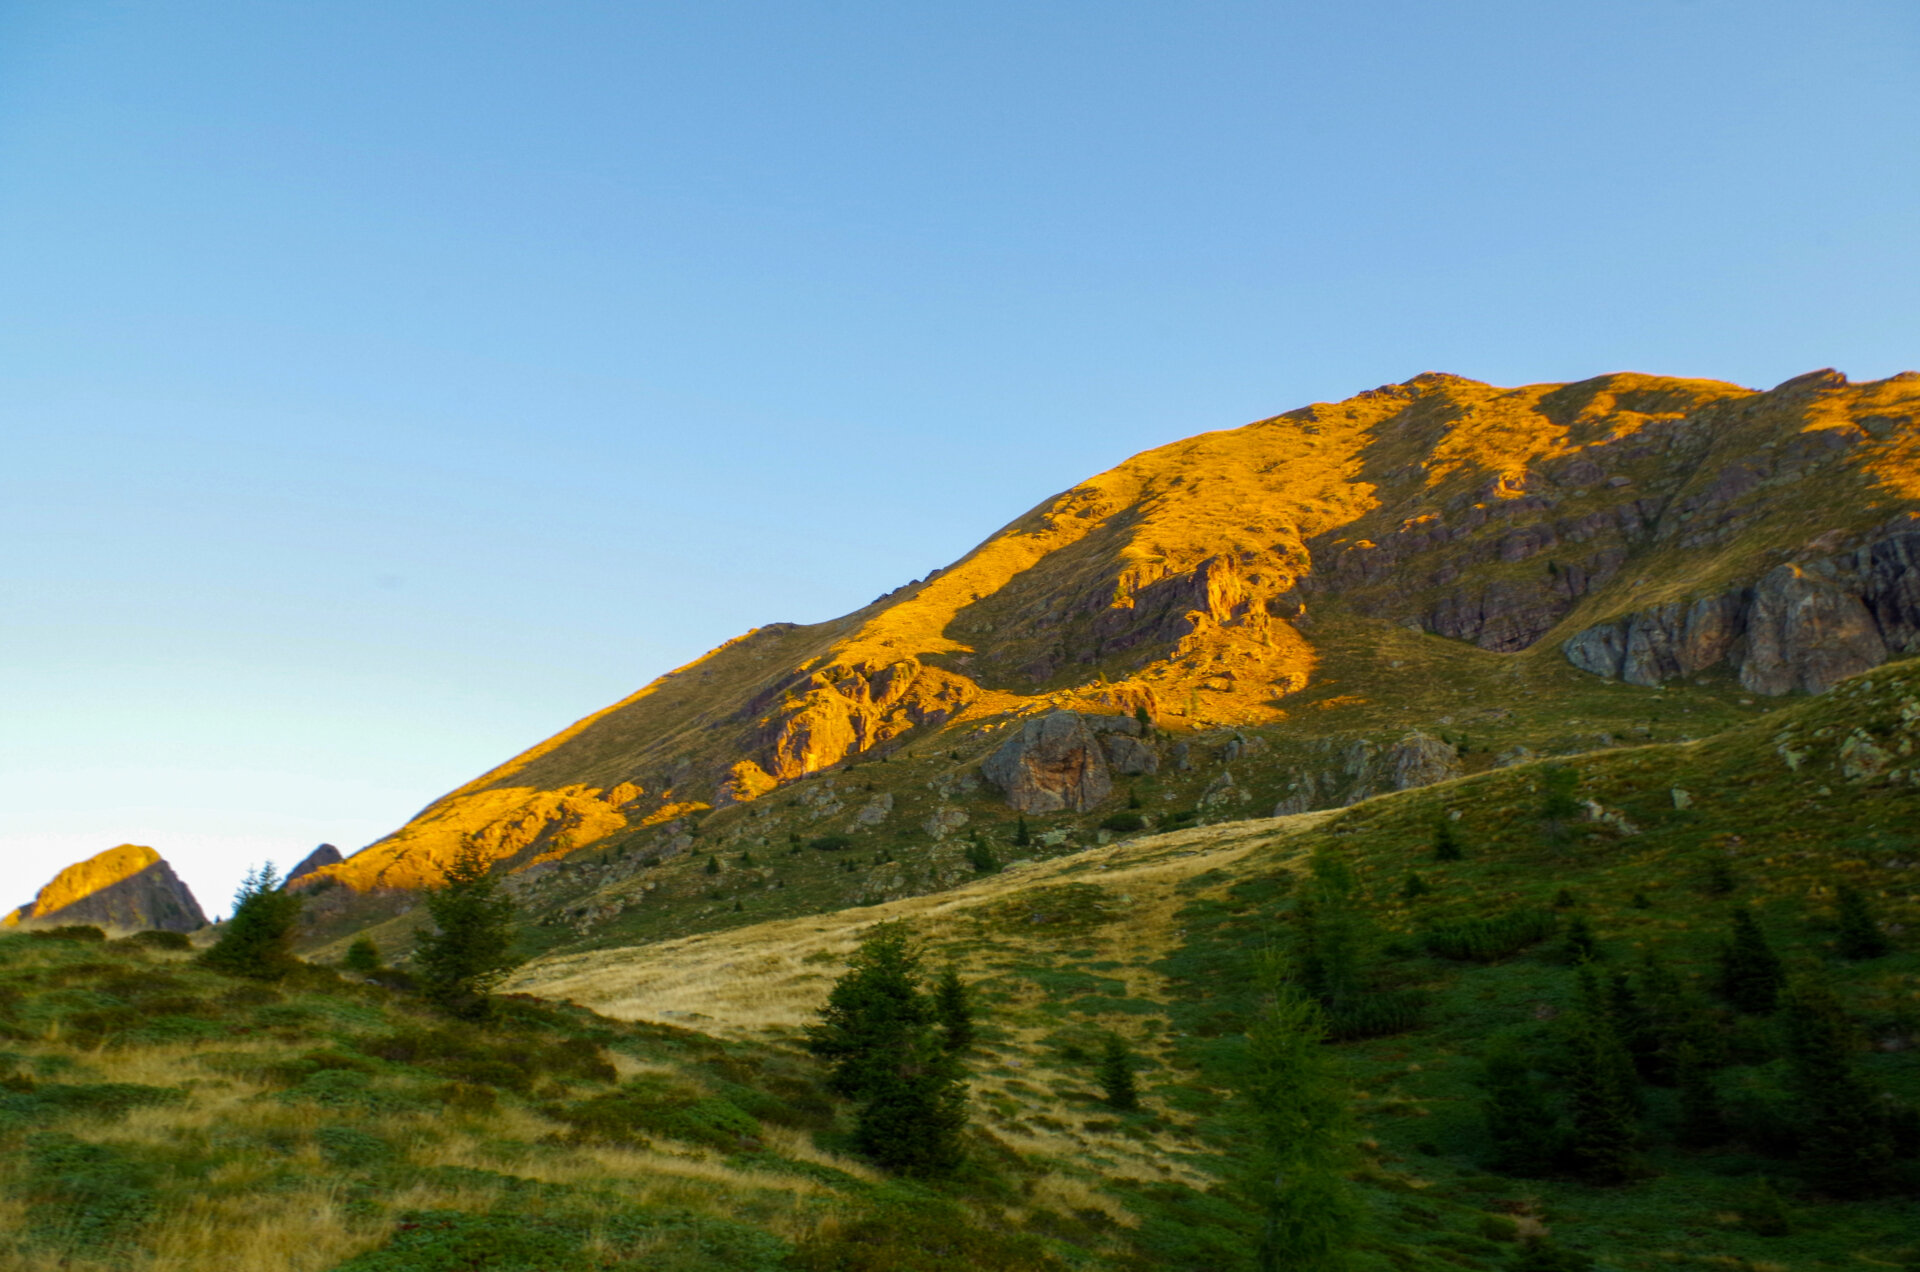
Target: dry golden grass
768, 979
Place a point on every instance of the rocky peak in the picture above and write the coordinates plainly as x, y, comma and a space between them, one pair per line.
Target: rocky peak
128, 887
324, 855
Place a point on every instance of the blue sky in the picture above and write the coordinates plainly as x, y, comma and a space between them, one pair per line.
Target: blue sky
385, 386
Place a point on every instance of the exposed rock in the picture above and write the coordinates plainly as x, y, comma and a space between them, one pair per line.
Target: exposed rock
1420, 759
1862, 758
1805, 633
1801, 627
945, 820
745, 782
125, 887
1221, 789
1055, 762
1182, 757
875, 810
1130, 757
324, 855
1681, 799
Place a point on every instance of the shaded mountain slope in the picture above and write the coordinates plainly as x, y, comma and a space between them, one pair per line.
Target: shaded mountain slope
1228, 579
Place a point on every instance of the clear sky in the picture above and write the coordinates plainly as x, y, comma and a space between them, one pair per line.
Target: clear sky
384, 386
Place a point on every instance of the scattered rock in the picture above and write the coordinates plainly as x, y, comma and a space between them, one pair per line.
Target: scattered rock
1130, 757
875, 810
944, 821
1681, 799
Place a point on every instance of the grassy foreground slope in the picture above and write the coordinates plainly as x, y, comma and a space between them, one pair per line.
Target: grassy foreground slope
155, 1115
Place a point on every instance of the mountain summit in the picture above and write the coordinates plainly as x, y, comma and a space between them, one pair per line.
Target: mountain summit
130, 886
1641, 529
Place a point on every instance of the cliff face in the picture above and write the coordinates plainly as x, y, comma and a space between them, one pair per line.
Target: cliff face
128, 887
1649, 527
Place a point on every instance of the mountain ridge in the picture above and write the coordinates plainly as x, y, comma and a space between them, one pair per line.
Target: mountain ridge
1204, 581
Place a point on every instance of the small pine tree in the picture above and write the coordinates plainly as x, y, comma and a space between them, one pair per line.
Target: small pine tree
953, 1008
469, 948
1559, 803
1116, 1075
1860, 934
713, 865
1145, 719
1602, 1095
1333, 940
738, 905
1640, 901
1133, 798
1415, 887
1720, 878
1519, 1118
980, 857
1301, 1116
1565, 900
1846, 1145
258, 940
1581, 945
1751, 975
1446, 841
877, 1032
1701, 1122
363, 957
1020, 836
746, 861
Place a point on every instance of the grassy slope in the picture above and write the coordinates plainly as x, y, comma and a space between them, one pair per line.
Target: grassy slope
1153, 938
299, 1128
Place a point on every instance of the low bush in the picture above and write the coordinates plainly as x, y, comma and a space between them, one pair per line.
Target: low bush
71, 932
658, 1106
85, 1199
1123, 823
830, 843
1490, 940
159, 939
920, 1236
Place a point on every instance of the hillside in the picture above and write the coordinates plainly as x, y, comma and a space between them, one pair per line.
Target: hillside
1429, 579
157, 1115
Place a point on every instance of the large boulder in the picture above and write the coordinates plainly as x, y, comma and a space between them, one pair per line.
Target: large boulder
1420, 759
1055, 762
128, 887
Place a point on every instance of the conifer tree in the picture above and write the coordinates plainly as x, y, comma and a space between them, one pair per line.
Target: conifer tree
1145, 719
1701, 1122
1860, 934
713, 865
1446, 841
363, 957
1020, 836
469, 948
877, 1032
257, 941
1416, 886
1581, 944
1751, 975
953, 1007
1846, 1143
1519, 1118
1116, 1074
1602, 1095
1559, 804
1301, 1116
1332, 937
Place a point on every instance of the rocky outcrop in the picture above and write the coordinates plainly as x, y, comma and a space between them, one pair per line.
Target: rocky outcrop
128, 887
1420, 759
1802, 627
324, 855
1055, 762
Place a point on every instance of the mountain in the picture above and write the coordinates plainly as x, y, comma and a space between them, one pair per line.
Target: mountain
1424, 580
125, 887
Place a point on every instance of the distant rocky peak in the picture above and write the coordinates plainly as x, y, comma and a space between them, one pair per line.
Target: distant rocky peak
128, 887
